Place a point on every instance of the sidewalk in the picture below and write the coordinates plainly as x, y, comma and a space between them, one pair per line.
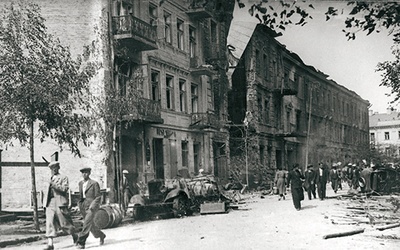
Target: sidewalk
18, 232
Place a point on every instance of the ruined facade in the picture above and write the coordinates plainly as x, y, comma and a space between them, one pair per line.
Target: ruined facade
290, 112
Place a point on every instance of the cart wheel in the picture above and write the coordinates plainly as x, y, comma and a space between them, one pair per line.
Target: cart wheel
180, 206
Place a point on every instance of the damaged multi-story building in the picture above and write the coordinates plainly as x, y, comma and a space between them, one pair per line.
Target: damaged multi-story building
172, 56
163, 82
287, 112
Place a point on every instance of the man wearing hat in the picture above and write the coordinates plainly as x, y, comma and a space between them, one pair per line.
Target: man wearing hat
350, 174
309, 183
356, 176
127, 189
56, 204
89, 203
334, 177
295, 180
321, 180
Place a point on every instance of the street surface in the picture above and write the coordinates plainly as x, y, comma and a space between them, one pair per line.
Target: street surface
261, 223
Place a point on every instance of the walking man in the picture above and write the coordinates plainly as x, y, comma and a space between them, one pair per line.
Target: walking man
296, 178
321, 179
56, 205
127, 189
309, 183
88, 205
356, 177
334, 177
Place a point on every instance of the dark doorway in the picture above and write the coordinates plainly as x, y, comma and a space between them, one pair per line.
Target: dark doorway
220, 165
131, 157
158, 158
173, 158
278, 158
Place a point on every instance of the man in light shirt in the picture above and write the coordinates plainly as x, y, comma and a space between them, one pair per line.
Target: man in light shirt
56, 204
321, 180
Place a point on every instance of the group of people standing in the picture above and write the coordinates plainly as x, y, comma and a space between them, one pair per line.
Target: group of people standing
313, 181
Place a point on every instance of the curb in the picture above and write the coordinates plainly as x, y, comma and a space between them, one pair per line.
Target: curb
30, 239
20, 241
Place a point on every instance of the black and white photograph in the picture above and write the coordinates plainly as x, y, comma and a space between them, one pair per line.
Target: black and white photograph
199, 124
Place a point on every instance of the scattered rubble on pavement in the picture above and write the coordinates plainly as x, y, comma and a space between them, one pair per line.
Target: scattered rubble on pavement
374, 212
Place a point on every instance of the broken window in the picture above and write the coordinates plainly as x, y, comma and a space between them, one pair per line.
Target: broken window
155, 85
182, 95
194, 89
167, 27
169, 92
180, 33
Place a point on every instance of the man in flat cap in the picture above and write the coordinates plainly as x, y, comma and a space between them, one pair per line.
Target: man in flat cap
89, 203
56, 204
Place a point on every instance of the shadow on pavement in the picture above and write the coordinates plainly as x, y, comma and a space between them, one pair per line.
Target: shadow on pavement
308, 207
106, 242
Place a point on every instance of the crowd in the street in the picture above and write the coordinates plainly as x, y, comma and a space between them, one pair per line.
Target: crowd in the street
315, 180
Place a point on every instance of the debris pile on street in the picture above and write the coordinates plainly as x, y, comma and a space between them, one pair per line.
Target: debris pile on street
373, 212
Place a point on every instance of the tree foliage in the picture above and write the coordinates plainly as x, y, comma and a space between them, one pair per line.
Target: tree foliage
390, 73
40, 81
278, 15
369, 16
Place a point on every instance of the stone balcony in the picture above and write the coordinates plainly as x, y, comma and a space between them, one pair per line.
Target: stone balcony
199, 9
288, 88
132, 32
144, 110
204, 120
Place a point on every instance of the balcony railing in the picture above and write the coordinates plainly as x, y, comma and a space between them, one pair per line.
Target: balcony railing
289, 87
204, 120
144, 110
199, 9
130, 27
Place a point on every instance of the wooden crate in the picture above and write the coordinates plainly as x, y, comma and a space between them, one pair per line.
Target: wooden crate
213, 208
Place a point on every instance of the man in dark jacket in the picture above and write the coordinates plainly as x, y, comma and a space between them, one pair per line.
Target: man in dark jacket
296, 178
309, 183
88, 205
321, 180
334, 177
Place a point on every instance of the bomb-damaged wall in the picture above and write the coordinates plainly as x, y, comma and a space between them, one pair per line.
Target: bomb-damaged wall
282, 94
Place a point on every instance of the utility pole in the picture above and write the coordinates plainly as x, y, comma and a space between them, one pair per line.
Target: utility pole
246, 121
309, 128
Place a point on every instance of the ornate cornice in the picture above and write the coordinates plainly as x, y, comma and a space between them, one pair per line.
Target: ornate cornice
169, 66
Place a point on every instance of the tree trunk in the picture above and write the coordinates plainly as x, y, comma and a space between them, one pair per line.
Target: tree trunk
34, 196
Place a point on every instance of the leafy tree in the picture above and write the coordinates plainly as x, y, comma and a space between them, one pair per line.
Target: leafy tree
366, 17
44, 92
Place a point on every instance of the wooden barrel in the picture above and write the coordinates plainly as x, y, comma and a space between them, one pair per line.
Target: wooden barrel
108, 216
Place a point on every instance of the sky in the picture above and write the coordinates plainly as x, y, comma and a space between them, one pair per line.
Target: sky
323, 45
